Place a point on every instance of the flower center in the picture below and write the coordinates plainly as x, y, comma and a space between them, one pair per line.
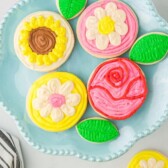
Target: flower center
106, 25
57, 100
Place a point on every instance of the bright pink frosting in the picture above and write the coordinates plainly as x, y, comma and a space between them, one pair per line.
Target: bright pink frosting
57, 100
117, 88
127, 40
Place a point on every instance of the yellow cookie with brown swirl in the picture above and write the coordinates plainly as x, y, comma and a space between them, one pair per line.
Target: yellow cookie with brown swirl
43, 41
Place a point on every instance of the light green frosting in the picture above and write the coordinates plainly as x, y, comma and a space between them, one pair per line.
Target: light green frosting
97, 130
71, 8
150, 48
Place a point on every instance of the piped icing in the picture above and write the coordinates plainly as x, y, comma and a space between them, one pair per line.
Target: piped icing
107, 28
117, 88
151, 163
97, 130
70, 8
43, 43
148, 159
42, 40
56, 101
149, 48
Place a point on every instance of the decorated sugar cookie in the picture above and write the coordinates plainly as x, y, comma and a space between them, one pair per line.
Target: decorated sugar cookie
148, 159
150, 48
107, 28
117, 88
97, 130
43, 41
57, 101
70, 9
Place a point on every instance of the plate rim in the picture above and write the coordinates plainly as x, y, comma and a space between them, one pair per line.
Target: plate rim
65, 152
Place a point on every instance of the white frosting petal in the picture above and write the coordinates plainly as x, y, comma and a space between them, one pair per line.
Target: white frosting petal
121, 28
54, 85
119, 16
115, 39
143, 164
91, 22
151, 162
43, 92
99, 13
66, 88
159, 164
68, 110
57, 115
38, 103
102, 41
73, 99
91, 34
45, 111
110, 8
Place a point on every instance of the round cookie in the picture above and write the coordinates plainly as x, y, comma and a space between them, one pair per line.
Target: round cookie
97, 130
70, 9
107, 28
56, 101
148, 159
117, 89
150, 48
43, 41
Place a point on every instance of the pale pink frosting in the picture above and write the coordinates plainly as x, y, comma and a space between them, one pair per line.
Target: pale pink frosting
57, 100
127, 40
117, 88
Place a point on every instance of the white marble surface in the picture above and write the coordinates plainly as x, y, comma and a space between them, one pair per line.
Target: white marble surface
34, 159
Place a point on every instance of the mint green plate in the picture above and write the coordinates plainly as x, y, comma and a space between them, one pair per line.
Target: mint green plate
15, 81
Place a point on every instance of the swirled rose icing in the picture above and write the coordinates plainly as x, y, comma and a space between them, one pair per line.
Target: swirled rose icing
117, 88
107, 28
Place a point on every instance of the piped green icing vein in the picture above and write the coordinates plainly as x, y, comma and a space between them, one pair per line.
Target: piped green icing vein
150, 48
97, 130
71, 8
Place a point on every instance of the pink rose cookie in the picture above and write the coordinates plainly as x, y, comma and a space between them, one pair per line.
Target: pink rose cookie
107, 28
117, 89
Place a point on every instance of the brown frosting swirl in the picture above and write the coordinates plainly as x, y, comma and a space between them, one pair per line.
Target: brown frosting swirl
42, 40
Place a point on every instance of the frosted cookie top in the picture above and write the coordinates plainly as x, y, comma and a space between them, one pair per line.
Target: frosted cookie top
107, 28
57, 101
43, 41
117, 88
148, 159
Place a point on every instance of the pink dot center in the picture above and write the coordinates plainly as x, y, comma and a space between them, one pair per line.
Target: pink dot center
57, 100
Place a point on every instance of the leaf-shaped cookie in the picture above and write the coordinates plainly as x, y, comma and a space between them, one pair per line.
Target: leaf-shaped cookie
71, 8
97, 130
150, 48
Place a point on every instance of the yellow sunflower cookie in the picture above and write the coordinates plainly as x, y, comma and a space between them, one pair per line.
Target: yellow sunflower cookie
43, 41
148, 159
57, 101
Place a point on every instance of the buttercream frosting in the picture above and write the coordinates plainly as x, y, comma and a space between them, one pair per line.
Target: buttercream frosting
56, 101
64, 41
42, 40
117, 88
92, 34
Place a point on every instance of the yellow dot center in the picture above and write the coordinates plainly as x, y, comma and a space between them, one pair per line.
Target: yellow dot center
106, 25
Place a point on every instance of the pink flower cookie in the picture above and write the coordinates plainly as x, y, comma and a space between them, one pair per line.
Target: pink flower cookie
107, 28
117, 89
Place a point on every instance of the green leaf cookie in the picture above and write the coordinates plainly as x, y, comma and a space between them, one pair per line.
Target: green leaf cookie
71, 8
150, 48
97, 130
